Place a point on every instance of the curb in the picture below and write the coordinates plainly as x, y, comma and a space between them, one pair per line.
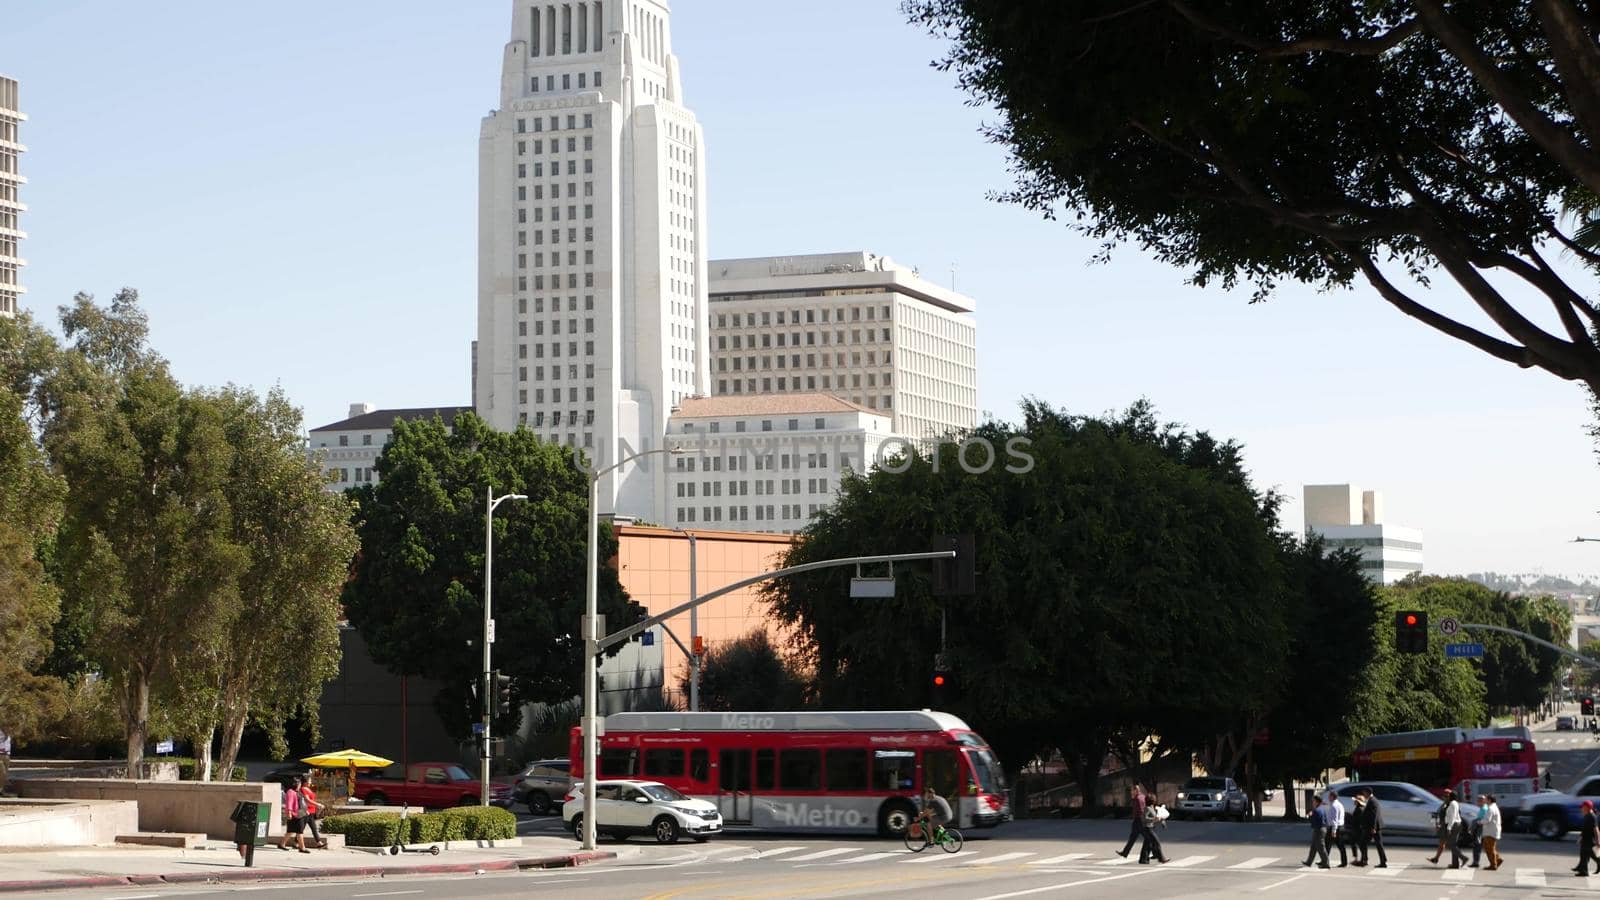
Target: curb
565, 860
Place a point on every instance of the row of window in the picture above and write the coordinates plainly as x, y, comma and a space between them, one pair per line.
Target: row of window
748, 386
748, 319
742, 513
792, 361
555, 371
782, 770
763, 488
358, 475
555, 121
792, 339
555, 419
763, 462
555, 216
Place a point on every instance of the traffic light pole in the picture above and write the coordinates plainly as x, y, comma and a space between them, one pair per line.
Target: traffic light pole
1564, 651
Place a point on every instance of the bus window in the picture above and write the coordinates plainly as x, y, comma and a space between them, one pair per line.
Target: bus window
700, 765
618, 762
942, 770
847, 770
765, 769
799, 770
894, 770
663, 763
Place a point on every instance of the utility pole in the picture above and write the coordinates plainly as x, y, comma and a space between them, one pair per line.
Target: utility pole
488, 687
694, 632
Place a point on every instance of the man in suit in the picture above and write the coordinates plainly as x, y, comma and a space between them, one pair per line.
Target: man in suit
1374, 830
1357, 829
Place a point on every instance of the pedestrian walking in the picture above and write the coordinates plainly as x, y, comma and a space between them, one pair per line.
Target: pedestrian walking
1357, 829
1449, 822
1137, 801
294, 821
1474, 832
1489, 817
1586, 841
1334, 833
1319, 845
1151, 848
1374, 829
313, 812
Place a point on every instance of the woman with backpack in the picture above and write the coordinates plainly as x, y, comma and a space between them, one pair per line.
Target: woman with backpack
294, 815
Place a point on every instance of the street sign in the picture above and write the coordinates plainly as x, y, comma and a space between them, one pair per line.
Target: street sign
490, 632
1463, 651
164, 746
1450, 625
872, 588
647, 639
477, 728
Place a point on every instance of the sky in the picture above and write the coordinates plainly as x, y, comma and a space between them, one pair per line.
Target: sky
292, 188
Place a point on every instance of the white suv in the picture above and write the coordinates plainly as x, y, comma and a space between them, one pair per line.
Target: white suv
642, 807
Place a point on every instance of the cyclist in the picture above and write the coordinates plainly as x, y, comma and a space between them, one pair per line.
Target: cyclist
935, 811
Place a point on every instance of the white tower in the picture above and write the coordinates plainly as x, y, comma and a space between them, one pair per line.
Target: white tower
591, 239
11, 181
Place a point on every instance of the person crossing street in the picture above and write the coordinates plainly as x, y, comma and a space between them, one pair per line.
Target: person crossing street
1137, 831
1334, 834
1319, 839
1374, 829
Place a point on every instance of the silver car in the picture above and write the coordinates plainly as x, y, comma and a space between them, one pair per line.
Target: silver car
1407, 809
542, 784
1219, 797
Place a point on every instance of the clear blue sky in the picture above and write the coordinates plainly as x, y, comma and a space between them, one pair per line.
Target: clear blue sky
293, 188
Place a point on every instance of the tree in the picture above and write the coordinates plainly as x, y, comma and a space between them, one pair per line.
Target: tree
30, 505
1315, 142
416, 592
1100, 568
748, 674
144, 544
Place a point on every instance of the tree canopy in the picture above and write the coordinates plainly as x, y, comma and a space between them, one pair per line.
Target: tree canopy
748, 673
1279, 140
416, 592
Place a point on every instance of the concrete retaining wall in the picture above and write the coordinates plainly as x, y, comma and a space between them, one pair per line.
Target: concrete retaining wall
73, 823
198, 806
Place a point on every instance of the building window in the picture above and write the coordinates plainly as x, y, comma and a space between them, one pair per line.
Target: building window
344, 440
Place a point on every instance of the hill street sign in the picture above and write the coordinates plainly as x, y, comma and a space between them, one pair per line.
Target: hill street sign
1463, 651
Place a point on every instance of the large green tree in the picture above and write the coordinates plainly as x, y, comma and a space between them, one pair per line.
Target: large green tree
1275, 140
416, 592
1126, 586
748, 673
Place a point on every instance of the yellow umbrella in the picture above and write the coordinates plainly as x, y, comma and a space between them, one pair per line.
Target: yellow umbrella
352, 758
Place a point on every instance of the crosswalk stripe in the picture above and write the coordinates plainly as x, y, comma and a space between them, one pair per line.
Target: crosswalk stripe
718, 851
1190, 861
1530, 878
776, 851
1389, 871
1004, 857
1116, 861
1068, 857
1458, 874
868, 857
824, 854
1255, 862
934, 855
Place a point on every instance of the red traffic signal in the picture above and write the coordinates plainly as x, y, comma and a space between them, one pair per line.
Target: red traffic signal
1411, 631
1411, 618
938, 679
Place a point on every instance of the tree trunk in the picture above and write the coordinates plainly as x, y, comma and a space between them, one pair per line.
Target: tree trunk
136, 717
1290, 811
232, 733
202, 756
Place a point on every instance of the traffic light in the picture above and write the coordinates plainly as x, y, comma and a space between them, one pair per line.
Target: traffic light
1588, 706
942, 682
502, 692
1411, 631
959, 575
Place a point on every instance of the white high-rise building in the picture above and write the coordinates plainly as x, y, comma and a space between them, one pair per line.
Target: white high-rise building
855, 325
11, 208
1349, 518
591, 239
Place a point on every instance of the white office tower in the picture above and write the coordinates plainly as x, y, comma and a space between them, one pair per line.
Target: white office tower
591, 240
11, 208
1349, 518
855, 325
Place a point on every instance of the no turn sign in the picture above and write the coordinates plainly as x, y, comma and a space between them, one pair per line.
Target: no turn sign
1450, 625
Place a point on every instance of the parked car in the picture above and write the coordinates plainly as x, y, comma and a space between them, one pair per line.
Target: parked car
431, 785
1217, 797
629, 807
1566, 723
542, 785
1407, 809
282, 775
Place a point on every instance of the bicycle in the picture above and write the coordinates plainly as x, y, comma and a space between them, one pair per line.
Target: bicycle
919, 836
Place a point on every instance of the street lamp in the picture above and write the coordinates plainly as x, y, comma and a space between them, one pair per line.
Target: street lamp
1579, 540
591, 640
488, 630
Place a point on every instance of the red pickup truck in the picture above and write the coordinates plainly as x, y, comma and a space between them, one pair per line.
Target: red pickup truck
431, 785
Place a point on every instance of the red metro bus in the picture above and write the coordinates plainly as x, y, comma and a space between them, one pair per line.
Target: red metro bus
1498, 761
808, 771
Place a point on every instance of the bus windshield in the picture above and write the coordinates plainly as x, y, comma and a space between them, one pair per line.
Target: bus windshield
987, 769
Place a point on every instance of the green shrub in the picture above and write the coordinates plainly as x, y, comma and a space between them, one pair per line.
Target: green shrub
426, 829
479, 823
375, 829
187, 768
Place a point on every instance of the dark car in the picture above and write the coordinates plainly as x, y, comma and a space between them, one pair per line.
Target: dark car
542, 785
282, 775
1219, 797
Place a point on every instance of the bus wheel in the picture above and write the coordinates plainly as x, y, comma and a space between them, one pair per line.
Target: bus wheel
895, 817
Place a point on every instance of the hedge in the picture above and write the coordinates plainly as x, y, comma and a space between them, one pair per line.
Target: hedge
463, 823
187, 766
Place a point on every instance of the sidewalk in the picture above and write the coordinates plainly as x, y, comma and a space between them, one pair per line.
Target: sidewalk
123, 866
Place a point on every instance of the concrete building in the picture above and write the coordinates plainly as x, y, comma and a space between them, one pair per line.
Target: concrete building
855, 325
11, 206
1350, 518
348, 449
591, 238
767, 462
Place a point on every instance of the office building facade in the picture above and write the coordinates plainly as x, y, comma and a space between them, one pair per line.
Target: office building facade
1349, 518
11, 207
348, 449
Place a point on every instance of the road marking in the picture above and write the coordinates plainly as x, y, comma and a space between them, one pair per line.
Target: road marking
1278, 884
824, 854
776, 851
1190, 861
1255, 862
1389, 871
1052, 860
1458, 874
868, 857
1004, 857
386, 893
1530, 878
718, 851
1062, 887
1119, 861
929, 856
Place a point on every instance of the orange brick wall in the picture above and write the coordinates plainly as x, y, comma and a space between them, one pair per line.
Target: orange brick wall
653, 566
